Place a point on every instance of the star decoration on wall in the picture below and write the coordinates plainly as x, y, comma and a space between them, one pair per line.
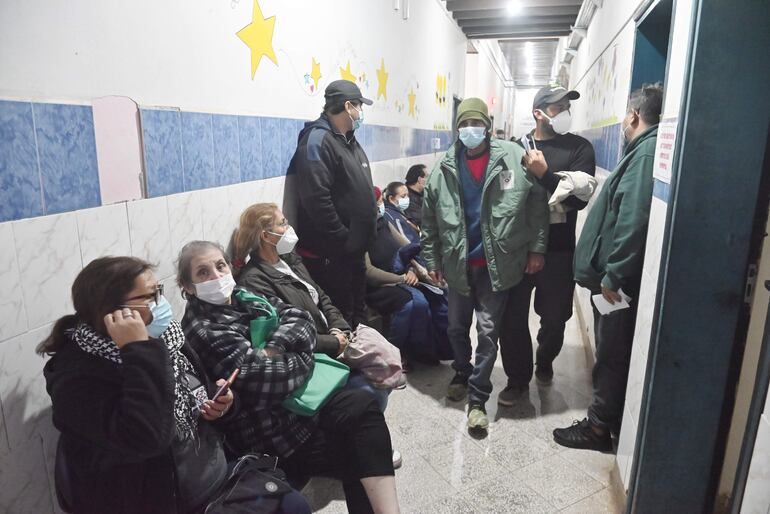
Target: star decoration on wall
412, 99
316, 73
346, 74
258, 36
382, 81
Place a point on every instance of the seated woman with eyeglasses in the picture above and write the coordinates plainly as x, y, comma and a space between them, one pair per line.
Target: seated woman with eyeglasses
131, 398
346, 439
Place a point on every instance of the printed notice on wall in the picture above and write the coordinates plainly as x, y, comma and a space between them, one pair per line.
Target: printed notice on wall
664, 150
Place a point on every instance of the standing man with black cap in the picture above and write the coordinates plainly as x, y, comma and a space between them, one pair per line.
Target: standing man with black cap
555, 150
336, 210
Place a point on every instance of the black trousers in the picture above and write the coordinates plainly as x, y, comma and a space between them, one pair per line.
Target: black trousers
554, 288
343, 278
352, 442
614, 340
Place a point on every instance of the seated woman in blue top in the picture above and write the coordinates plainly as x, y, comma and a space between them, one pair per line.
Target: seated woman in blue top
396, 196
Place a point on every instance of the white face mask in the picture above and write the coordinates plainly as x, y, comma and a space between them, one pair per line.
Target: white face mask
559, 123
287, 242
216, 291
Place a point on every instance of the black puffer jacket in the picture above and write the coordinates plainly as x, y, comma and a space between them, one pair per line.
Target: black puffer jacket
336, 210
264, 279
119, 434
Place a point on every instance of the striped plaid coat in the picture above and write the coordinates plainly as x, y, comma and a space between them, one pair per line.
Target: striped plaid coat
220, 335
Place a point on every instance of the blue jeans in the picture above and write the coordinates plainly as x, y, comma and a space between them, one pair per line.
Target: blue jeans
411, 328
489, 306
356, 380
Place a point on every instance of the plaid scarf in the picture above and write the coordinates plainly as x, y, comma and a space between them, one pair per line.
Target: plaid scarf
90, 341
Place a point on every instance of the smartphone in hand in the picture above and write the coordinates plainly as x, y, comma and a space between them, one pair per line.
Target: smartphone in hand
226, 386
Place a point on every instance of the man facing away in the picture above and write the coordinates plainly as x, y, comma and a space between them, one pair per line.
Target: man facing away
556, 150
336, 211
484, 223
609, 258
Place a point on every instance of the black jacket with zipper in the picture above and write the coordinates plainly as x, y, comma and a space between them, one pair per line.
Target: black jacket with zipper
119, 433
336, 210
264, 279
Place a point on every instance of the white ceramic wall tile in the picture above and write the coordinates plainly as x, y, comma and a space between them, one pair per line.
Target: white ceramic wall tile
185, 219
103, 231
626, 445
12, 310
272, 191
24, 485
242, 196
48, 251
174, 296
400, 167
382, 173
150, 235
215, 210
756, 499
22, 387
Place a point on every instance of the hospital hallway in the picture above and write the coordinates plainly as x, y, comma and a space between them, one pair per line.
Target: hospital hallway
517, 468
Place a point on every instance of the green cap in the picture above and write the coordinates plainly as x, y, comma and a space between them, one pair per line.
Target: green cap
473, 109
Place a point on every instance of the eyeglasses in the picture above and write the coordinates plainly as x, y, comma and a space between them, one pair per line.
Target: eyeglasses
155, 298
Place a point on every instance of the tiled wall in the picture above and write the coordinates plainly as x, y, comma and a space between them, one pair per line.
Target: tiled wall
48, 159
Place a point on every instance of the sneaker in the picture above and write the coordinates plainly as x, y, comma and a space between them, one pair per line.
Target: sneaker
477, 417
544, 374
397, 460
458, 387
511, 394
581, 436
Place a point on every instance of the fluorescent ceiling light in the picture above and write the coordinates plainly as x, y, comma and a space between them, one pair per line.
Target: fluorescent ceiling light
514, 8
579, 31
573, 52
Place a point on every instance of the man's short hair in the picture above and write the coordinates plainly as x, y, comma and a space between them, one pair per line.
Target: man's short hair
648, 102
415, 172
336, 106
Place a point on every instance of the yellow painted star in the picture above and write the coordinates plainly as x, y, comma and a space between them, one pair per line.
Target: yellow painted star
258, 36
412, 99
382, 81
316, 73
346, 74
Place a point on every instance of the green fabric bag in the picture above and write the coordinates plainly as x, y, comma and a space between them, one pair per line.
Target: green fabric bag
328, 376
261, 327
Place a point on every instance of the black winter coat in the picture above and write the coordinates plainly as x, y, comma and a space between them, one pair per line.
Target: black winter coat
264, 279
336, 210
119, 434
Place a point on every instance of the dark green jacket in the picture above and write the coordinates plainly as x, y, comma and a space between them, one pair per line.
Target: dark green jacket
514, 218
610, 251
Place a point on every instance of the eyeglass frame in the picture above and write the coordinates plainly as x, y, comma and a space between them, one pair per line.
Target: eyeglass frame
158, 293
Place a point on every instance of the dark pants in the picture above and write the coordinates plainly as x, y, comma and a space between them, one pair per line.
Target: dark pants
351, 442
343, 278
614, 340
554, 288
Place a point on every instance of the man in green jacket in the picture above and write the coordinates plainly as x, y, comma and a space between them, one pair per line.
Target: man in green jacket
484, 224
609, 258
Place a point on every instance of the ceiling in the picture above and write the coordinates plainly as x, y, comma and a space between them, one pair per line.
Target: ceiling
528, 37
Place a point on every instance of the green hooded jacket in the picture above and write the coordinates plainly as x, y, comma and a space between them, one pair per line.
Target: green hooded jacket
514, 218
610, 251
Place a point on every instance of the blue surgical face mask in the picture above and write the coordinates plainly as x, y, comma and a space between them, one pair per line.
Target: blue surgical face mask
161, 317
357, 123
381, 209
472, 137
403, 203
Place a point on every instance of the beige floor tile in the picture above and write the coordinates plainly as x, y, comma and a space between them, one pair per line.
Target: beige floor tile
602, 502
554, 478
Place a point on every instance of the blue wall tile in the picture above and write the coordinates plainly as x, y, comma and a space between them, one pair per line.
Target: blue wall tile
661, 190
67, 150
197, 151
289, 132
227, 168
271, 146
19, 175
162, 139
250, 143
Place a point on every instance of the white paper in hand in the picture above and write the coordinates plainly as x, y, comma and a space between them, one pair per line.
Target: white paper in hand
604, 307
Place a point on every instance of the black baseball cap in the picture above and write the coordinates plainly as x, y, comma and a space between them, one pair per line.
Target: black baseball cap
344, 90
552, 94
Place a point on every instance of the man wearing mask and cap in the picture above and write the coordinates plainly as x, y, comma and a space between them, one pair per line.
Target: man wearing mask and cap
554, 150
484, 225
336, 213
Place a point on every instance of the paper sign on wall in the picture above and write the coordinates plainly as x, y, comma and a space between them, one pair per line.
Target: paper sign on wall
664, 149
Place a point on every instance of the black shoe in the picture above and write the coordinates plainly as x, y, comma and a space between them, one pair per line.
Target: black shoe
512, 393
581, 436
544, 374
458, 387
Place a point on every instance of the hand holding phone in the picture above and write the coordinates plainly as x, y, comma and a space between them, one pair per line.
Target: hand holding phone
226, 386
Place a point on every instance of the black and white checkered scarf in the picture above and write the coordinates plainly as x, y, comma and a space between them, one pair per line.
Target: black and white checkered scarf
90, 341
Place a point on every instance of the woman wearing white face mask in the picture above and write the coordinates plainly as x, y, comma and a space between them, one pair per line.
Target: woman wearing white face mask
396, 196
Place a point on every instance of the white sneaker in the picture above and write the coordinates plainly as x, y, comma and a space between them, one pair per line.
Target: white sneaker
397, 461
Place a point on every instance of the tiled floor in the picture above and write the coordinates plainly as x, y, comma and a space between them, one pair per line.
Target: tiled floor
517, 468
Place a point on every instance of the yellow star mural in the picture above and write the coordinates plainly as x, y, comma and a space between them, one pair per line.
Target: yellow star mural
316, 73
382, 81
258, 36
346, 74
412, 99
